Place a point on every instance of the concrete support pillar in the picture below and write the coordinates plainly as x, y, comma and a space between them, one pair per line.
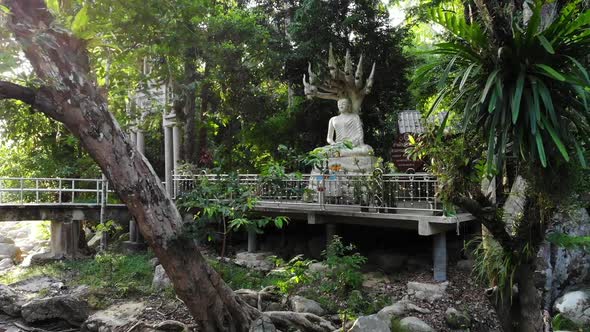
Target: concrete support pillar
439, 256
64, 238
252, 241
330, 233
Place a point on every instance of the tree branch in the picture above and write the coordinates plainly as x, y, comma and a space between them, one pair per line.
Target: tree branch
14, 91
37, 99
489, 218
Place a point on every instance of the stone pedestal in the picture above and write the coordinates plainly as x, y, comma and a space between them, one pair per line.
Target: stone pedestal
353, 164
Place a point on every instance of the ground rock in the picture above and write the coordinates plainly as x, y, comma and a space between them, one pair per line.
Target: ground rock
254, 260
301, 304
10, 302
372, 323
6, 263
457, 319
7, 240
414, 324
35, 284
161, 279
114, 317
575, 306
427, 292
262, 324
7, 250
64, 307
388, 261
374, 279
400, 309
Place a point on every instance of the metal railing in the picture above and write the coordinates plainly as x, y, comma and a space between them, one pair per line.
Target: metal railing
384, 193
53, 191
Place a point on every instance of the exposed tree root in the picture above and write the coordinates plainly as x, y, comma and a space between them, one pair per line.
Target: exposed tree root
303, 321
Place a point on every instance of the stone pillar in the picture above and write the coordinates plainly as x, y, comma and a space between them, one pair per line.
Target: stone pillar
168, 155
134, 233
252, 241
439, 256
175, 153
64, 238
140, 140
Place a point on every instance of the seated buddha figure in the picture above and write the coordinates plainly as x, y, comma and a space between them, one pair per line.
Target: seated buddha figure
345, 133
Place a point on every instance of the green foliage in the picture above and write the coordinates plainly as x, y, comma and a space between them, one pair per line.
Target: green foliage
570, 241
43, 228
494, 265
224, 202
530, 90
237, 277
293, 274
344, 264
119, 275
457, 160
109, 227
122, 275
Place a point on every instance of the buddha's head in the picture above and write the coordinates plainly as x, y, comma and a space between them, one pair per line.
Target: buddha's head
344, 106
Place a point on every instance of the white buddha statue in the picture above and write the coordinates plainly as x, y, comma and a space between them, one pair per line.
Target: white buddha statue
346, 128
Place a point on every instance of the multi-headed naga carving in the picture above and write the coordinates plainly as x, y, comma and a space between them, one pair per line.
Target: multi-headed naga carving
346, 83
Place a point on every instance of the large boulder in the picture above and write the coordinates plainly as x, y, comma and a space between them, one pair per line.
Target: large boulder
161, 279
114, 317
457, 319
254, 260
414, 324
561, 268
10, 302
7, 250
400, 309
372, 323
4, 239
301, 304
575, 306
65, 307
427, 292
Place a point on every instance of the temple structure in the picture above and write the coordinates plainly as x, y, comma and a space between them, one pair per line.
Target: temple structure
346, 150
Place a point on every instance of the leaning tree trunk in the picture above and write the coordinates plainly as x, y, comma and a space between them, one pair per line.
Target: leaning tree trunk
71, 96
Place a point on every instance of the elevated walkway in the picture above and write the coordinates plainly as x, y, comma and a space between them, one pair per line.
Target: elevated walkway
404, 201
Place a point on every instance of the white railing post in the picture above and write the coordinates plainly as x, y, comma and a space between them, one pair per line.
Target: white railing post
36, 190
21, 190
60, 184
103, 207
73, 192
